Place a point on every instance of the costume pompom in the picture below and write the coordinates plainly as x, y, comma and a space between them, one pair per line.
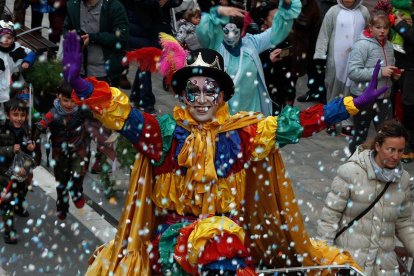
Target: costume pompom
146, 58
173, 56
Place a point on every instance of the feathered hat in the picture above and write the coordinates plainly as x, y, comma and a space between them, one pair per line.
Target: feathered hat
206, 63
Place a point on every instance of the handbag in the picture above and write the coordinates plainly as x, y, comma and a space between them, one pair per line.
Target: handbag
363, 213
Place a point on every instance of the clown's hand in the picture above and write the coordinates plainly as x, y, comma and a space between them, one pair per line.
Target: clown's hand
72, 59
371, 93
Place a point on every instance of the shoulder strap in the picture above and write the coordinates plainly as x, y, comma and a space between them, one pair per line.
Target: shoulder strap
363, 213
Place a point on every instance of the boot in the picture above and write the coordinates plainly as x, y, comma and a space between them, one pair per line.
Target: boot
10, 237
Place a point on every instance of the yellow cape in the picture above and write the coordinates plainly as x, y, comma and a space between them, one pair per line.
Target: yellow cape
272, 205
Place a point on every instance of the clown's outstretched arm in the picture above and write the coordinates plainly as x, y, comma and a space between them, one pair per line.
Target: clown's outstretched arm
110, 105
293, 124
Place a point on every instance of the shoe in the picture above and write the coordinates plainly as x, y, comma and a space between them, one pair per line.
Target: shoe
96, 167
61, 215
308, 97
10, 237
347, 131
80, 203
331, 130
124, 83
407, 157
398, 48
21, 212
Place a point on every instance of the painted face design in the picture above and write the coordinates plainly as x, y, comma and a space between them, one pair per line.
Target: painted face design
210, 90
231, 34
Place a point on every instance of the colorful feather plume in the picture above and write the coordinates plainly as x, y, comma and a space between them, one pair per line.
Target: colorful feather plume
147, 58
173, 56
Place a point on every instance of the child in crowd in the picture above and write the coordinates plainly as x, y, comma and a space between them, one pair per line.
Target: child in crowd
13, 58
13, 139
21, 91
373, 45
70, 148
187, 29
341, 26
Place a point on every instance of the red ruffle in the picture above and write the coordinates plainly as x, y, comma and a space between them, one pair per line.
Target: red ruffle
155, 255
246, 135
169, 163
99, 99
150, 142
180, 250
311, 120
221, 247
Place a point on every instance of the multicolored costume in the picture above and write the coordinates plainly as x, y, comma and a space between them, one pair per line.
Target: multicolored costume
209, 196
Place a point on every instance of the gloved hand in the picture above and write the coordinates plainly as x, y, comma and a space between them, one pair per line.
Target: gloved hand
72, 58
371, 93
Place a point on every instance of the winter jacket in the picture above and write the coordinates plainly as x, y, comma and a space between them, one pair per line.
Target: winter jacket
371, 241
67, 128
187, 35
10, 136
10, 61
364, 55
146, 20
112, 35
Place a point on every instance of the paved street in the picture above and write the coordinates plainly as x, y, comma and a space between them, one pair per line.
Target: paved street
50, 246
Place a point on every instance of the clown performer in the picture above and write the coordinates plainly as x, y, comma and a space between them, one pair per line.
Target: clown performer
220, 30
208, 190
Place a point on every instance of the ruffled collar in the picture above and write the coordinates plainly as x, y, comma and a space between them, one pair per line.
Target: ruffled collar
198, 151
182, 116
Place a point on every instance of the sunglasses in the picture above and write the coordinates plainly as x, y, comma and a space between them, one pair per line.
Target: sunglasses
210, 90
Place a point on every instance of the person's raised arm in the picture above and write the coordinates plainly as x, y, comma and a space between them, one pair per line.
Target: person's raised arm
293, 124
110, 105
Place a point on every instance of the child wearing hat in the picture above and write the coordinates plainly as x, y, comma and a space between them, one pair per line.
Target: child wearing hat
13, 59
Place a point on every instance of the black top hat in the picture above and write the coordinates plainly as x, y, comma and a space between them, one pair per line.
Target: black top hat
206, 63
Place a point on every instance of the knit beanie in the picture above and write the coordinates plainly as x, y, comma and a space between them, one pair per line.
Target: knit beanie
7, 27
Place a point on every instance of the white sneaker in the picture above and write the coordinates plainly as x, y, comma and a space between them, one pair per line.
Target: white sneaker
398, 48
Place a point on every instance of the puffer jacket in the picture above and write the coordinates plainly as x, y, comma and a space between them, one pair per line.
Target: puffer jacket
364, 55
371, 240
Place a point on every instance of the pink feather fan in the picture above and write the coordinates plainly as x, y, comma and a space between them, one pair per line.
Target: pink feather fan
173, 56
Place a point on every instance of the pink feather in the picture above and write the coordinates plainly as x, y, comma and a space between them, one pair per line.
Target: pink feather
173, 56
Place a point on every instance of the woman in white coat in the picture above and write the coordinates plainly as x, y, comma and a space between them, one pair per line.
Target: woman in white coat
372, 239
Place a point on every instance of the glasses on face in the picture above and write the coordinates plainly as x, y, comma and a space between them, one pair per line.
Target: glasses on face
210, 89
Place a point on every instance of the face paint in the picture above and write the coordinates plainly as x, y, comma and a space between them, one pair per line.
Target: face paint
210, 90
231, 34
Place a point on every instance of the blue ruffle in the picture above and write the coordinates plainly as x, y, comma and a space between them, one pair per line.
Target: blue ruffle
132, 128
226, 265
227, 148
335, 112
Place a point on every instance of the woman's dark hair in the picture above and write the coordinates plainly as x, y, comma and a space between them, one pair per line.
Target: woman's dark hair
64, 89
389, 129
15, 104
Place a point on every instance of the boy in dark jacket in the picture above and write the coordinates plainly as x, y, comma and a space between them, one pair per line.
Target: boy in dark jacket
70, 148
13, 139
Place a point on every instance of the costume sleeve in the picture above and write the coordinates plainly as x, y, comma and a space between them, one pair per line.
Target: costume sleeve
46, 121
283, 20
325, 34
30, 57
111, 107
210, 31
293, 124
335, 204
